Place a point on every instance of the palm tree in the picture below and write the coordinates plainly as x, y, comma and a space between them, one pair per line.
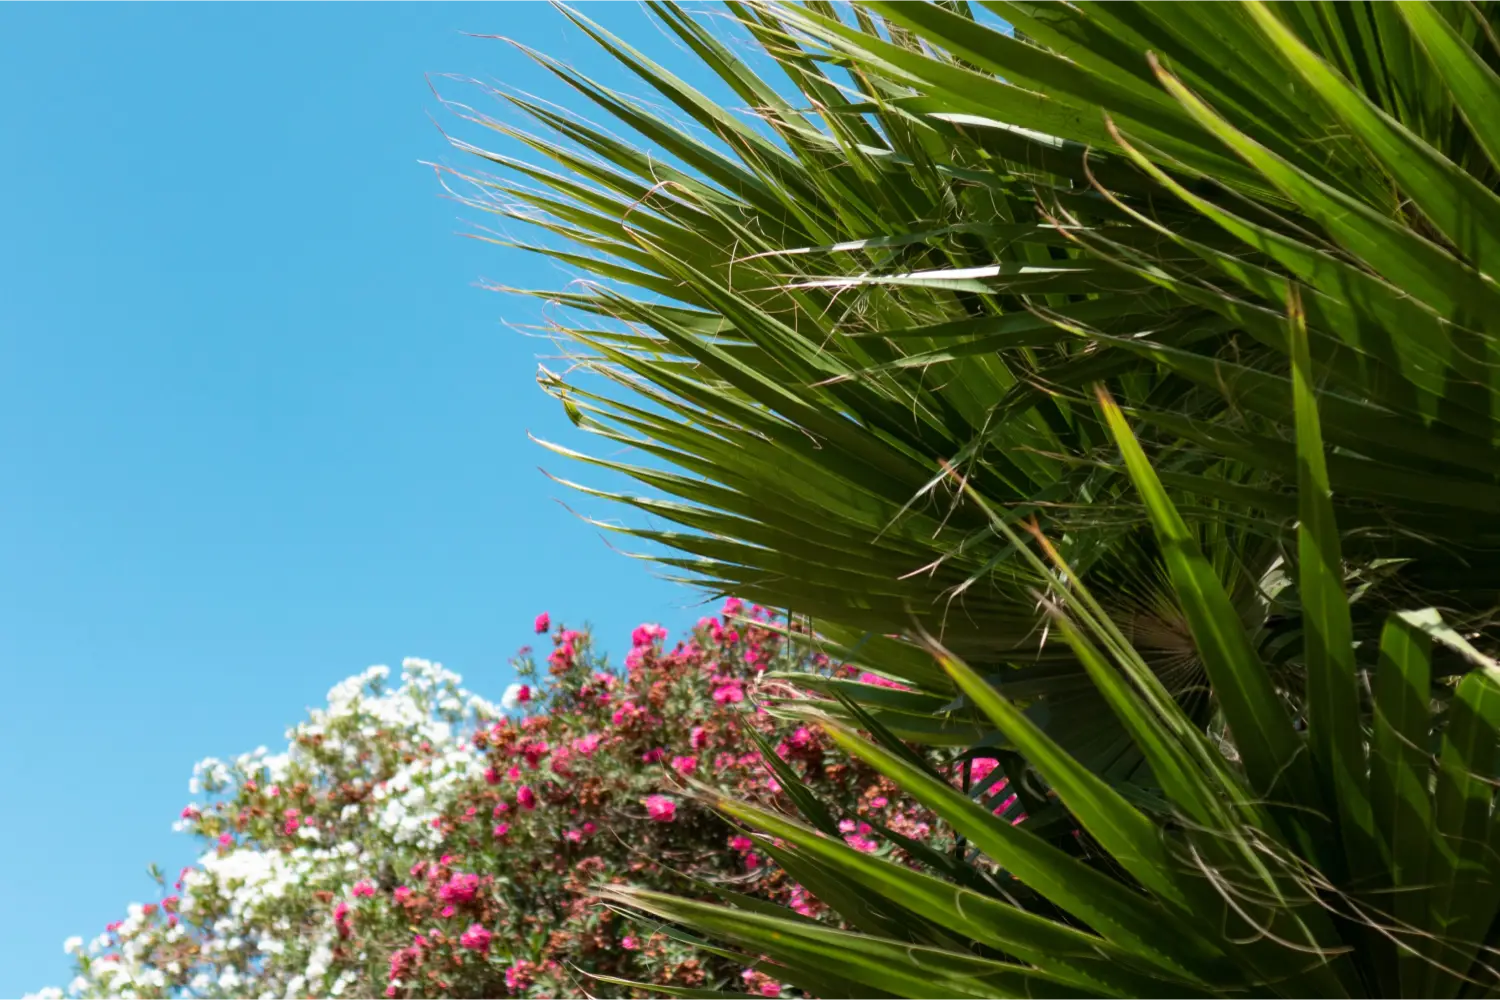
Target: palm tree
855, 331
900, 269
1351, 858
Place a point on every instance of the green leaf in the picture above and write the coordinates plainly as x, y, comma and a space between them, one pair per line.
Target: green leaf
1399, 774
1118, 914
1333, 722
1274, 755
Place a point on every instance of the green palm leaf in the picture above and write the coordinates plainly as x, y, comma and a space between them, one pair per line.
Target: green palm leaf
948, 277
1220, 892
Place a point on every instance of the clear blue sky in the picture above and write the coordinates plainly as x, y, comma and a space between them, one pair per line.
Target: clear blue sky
258, 427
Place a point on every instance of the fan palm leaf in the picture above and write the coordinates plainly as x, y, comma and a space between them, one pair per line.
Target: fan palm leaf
851, 329
1336, 858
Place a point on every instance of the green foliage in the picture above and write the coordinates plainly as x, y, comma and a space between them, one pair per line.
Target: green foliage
948, 279
844, 324
1341, 856
414, 840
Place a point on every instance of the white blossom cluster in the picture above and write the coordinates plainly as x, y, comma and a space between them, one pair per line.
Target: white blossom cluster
248, 911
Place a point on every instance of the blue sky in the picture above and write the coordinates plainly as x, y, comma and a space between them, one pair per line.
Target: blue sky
259, 427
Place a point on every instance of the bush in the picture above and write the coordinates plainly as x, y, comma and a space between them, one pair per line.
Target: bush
418, 840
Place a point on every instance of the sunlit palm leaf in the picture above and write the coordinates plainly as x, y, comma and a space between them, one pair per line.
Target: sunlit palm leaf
1223, 891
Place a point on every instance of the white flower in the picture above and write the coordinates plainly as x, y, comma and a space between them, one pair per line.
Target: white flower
49, 993
296, 986
201, 983
73, 944
319, 961
79, 985
511, 699
278, 765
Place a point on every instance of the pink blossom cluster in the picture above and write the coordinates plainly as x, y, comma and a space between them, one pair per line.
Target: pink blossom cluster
500, 825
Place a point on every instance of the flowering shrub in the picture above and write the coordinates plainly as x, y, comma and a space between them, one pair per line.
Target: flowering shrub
418, 840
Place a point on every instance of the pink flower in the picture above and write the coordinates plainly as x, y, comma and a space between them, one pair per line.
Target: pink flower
416, 869
390, 991
661, 808
878, 681
645, 635
846, 826
501, 829
761, 982
879, 802
523, 695
476, 938
729, 694
402, 893
589, 828
981, 768
802, 738
500, 807
1010, 801
492, 775
273, 791
341, 918
448, 911
741, 843
189, 812
364, 888
543, 623
526, 797
513, 773
534, 752
226, 839
574, 836
733, 606
629, 942
518, 976
654, 756
698, 737
445, 859
587, 744
752, 860
684, 765
860, 843
460, 889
